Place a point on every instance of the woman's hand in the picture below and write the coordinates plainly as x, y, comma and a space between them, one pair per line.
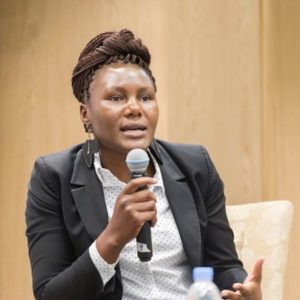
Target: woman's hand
134, 206
250, 289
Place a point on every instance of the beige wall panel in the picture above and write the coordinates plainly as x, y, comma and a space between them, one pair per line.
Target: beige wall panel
206, 59
39, 45
214, 87
281, 94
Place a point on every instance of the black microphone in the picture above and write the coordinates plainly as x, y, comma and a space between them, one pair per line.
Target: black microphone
137, 162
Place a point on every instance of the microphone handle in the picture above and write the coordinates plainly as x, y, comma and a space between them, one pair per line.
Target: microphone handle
143, 239
144, 243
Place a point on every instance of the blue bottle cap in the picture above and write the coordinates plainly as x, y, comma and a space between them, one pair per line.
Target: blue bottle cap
203, 274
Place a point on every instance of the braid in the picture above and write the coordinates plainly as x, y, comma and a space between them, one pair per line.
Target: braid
104, 49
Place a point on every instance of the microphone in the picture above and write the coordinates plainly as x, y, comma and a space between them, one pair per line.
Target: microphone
137, 162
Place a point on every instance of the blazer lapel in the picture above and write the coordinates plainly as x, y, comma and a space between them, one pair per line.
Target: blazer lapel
89, 198
183, 208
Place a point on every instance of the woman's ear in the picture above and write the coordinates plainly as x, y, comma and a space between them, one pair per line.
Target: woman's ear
84, 116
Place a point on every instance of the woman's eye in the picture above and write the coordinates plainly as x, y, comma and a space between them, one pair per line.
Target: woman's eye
145, 98
116, 98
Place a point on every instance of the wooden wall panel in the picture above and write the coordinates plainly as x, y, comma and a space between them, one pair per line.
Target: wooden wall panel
206, 59
281, 111
39, 44
214, 88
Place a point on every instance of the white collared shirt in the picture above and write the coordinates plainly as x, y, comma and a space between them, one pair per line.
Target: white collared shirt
167, 275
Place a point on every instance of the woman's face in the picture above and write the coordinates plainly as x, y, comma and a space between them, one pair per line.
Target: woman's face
122, 108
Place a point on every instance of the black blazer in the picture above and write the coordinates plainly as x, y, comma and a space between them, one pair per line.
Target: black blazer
66, 212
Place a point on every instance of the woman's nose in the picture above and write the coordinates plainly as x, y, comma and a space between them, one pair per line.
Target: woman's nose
133, 107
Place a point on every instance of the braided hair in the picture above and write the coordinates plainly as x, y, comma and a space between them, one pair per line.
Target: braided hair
107, 48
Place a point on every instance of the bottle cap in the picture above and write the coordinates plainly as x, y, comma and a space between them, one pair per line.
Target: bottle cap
203, 274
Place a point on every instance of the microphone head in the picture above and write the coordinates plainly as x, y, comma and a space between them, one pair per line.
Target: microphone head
137, 161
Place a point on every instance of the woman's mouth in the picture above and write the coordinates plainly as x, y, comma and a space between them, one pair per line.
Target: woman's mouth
134, 130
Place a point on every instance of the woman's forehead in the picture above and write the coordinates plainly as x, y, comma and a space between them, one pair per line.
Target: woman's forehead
118, 74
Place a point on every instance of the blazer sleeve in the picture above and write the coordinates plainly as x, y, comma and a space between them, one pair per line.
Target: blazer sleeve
57, 273
219, 248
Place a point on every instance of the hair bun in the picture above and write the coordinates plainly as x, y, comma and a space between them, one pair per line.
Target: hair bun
105, 48
127, 35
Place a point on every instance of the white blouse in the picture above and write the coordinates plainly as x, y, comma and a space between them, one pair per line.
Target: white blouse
167, 275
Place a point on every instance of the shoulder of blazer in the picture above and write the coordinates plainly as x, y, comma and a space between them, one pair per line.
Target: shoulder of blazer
193, 158
184, 151
193, 161
61, 163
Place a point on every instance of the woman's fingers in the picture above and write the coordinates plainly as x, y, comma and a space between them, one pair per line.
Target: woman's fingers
141, 201
243, 289
134, 206
256, 274
138, 183
144, 206
142, 212
139, 196
250, 289
230, 295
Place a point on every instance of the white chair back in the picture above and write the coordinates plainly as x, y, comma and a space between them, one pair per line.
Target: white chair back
262, 229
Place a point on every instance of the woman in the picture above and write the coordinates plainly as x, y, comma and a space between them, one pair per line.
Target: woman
84, 211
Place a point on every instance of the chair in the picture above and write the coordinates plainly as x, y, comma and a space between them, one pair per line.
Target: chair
262, 229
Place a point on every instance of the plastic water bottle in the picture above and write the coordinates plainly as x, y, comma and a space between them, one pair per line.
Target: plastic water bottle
203, 287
